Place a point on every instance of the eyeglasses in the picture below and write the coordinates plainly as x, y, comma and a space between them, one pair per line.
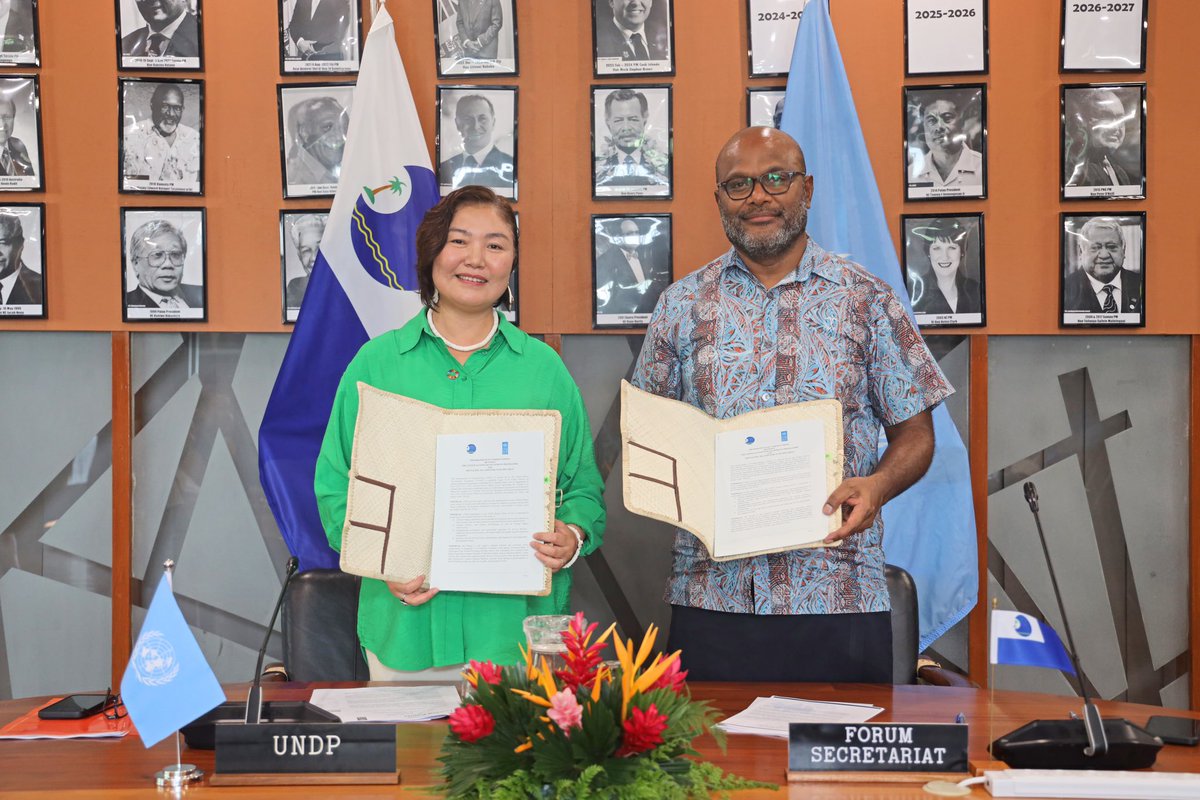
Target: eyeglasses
159, 257
113, 707
772, 183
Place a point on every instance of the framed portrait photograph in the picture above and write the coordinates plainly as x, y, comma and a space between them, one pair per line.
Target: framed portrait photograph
300, 235
21, 167
477, 138
631, 141
764, 107
313, 121
943, 269
162, 136
1103, 141
476, 37
772, 33
23, 261
160, 34
320, 36
945, 141
164, 266
1103, 37
631, 265
19, 34
945, 37
633, 37
1104, 269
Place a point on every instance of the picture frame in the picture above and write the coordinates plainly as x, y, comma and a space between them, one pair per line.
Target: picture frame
631, 266
324, 41
300, 232
945, 37
23, 250
1103, 36
482, 41
1102, 149
771, 33
22, 168
151, 110
632, 152
618, 51
172, 39
945, 141
764, 106
314, 119
477, 121
175, 289
1103, 256
20, 41
944, 269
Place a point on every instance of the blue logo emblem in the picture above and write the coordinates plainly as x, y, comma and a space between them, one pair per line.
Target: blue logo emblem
504, 448
383, 226
1021, 626
783, 436
471, 449
749, 440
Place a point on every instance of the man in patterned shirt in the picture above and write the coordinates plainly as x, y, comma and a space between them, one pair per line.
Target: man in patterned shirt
162, 150
778, 320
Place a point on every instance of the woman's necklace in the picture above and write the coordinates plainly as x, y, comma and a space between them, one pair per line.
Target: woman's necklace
464, 348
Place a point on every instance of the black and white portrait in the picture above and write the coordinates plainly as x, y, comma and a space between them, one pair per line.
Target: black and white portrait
764, 107
300, 235
476, 37
160, 34
945, 141
164, 264
162, 136
631, 141
631, 267
19, 33
633, 37
313, 122
1104, 141
22, 261
319, 36
772, 33
20, 134
1104, 269
477, 138
943, 267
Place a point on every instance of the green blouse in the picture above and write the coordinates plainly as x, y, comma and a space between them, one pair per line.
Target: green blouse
513, 371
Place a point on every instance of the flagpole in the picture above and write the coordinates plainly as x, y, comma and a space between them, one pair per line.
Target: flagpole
992, 686
178, 774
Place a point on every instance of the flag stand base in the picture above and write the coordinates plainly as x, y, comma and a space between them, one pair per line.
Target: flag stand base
178, 775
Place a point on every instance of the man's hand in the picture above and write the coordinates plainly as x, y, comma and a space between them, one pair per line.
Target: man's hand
555, 548
863, 499
471, 46
305, 47
410, 592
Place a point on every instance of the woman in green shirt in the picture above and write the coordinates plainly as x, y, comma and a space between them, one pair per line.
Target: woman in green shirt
462, 353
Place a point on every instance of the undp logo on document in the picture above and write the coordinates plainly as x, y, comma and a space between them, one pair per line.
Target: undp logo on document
154, 661
383, 226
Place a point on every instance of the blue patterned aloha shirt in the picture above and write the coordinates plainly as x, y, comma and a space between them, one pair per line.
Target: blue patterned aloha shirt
721, 342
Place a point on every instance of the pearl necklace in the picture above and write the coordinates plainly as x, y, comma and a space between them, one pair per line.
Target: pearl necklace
469, 347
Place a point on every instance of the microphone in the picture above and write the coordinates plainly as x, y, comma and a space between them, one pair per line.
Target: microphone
254, 697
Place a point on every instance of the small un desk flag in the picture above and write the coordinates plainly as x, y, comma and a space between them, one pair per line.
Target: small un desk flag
167, 683
1021, 640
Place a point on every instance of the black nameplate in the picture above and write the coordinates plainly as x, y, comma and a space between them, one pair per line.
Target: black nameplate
877, 747
311, 747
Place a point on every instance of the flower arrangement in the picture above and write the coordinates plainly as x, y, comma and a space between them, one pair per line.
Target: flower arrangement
582, 731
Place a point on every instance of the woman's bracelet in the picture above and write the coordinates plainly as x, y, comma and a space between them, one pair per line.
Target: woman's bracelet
575, 529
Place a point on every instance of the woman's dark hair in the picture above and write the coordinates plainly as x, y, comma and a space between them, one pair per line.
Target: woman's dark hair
946, 230
435, 229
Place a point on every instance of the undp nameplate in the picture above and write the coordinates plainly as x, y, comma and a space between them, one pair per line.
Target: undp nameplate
877, 747
278, 748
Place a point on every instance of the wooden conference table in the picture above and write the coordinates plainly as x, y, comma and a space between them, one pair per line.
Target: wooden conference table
124, 768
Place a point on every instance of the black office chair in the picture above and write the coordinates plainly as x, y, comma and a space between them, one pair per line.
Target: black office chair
320, 629
906, 667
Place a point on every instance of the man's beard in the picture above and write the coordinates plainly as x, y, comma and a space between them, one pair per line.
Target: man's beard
766, 247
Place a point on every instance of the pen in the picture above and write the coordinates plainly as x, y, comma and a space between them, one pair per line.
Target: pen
960, 718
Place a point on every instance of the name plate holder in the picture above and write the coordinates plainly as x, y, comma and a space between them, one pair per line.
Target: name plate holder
880, 752
279, 754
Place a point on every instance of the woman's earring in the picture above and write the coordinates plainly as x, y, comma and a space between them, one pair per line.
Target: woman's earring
510, 299
435, 299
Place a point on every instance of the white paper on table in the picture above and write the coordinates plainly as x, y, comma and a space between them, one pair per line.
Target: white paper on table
489, 500
770, 716
388, 703
770, 487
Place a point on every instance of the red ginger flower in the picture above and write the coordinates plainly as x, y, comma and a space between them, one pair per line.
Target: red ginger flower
472, 723
643, 731
672, 679
486, 670
582, 657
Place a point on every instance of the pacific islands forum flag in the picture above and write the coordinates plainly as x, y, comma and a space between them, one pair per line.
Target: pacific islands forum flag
1021, 640
363, 284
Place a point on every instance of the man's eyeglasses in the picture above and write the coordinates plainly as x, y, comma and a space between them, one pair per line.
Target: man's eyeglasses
772, 183
113, 707
159, 257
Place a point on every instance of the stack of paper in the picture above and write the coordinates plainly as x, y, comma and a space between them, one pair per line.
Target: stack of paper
770, 716
97, 726
388, 703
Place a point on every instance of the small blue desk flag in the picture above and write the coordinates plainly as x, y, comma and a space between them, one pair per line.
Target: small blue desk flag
167, 683
1021, 640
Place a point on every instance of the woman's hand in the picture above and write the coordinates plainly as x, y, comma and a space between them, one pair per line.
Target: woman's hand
410, 592
555, 548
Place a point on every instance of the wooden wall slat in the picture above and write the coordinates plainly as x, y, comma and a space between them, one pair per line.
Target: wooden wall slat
977, 642
122, 505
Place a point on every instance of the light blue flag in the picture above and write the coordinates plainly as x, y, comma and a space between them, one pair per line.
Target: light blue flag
167, 683
930, 529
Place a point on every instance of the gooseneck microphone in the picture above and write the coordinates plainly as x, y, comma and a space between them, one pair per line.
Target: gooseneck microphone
254, 697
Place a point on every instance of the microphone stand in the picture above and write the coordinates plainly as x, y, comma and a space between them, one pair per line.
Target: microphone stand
254, 696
